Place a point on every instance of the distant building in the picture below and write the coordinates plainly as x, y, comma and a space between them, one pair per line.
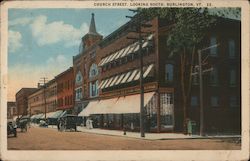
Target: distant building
22, 100
11, 109
65, 90
37, 102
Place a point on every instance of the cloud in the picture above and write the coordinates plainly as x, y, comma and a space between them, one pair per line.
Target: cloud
56, 32
14, 38
28, 75
20, 21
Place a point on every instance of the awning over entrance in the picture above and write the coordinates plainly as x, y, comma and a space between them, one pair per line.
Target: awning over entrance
119, 105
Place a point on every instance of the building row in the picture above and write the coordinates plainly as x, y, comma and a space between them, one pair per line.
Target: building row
103, 82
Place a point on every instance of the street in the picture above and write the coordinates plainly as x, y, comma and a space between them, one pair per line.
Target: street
50, 139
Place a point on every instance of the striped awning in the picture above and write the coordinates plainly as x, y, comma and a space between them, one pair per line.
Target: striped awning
127, 77
132, 48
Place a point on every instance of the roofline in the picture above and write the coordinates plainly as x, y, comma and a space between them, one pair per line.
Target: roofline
61, 74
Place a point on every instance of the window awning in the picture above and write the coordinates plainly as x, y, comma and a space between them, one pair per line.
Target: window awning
132, 48
50, 114
127, 77
57, 114
119, 105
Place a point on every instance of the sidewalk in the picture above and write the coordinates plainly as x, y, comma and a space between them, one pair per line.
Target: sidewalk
148, 136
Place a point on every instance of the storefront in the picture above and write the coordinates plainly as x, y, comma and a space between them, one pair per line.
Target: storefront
124, 111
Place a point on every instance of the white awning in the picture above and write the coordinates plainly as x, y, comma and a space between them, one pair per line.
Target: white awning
56, 114
150, 67
104, 83
110, 80
121, 105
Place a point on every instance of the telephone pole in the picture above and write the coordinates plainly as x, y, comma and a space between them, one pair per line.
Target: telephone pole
138, 22
200, 73
44, 80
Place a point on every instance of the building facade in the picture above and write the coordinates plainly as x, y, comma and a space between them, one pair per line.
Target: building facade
36, 101
65, 90
109, 74
51, 95
11, 110
22, 100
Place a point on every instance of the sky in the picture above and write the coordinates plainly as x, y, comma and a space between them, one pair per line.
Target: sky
42, 42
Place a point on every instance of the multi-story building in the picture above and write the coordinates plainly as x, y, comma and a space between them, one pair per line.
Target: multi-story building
85, 68
22, 100
51, 95
65, 90
36, 101
11, 109
108, 74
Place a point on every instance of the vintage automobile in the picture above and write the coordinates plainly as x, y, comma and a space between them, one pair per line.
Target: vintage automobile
66, 122
11, 128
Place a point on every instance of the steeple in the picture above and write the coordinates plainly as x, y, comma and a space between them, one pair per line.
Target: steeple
92, 29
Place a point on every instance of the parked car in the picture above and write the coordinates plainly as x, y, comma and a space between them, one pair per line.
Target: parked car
67, 121
11, 129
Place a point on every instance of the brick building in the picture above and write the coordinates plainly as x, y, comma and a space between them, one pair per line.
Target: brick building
37, 102
108, 73
22, 100
65, 90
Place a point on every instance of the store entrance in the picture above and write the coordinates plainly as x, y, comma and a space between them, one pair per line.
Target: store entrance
167, 110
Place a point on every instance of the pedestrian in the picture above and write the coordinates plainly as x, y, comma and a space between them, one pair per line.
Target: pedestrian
91, 124
58, 124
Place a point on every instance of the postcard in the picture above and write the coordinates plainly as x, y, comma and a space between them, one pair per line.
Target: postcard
124, 80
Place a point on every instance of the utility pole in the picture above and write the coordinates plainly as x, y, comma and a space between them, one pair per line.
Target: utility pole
137, 21
201, 94
200, 72
44, 80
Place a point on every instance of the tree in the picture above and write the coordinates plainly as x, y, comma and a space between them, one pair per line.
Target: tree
188, 27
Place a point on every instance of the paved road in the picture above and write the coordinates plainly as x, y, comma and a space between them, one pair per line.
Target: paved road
50, 139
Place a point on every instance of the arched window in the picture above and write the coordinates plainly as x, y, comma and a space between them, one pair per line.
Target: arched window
169, 73
79, 77
93, 71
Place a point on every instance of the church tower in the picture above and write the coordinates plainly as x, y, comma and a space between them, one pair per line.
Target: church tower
92, 37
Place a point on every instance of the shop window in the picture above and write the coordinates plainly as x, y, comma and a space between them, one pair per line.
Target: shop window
167, 109
194, 101
214, 101
232, 77
234, 101
169, 73
213, 50
231, 48
214, 77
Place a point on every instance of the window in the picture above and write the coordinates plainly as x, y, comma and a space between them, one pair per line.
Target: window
93, 91
93, 71
232, 77
233, 101
231, 48
194, 101
213, 50
169, 72
78, 92
214, 76
78, 78
214, 101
